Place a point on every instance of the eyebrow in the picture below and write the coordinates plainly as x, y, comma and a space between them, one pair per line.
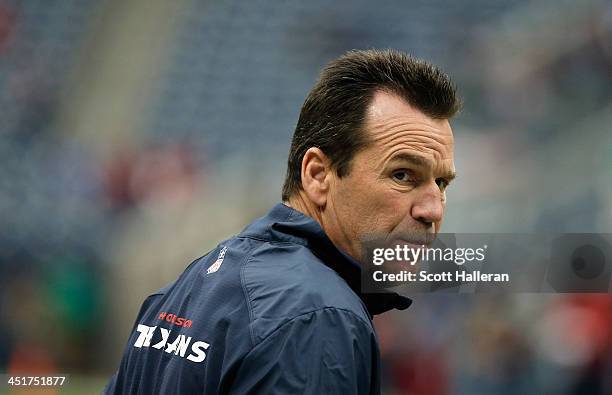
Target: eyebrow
414, 159
421, 161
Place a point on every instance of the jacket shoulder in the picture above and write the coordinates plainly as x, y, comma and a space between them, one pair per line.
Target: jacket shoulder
286, 280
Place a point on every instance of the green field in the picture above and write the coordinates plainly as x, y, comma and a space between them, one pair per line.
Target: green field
78, 385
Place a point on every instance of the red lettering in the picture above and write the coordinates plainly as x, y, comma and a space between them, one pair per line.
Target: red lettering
172, 318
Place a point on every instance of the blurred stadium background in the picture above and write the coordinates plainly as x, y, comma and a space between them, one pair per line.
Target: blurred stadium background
135, 135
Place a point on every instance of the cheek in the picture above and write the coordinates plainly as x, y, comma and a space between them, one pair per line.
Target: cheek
357, 205
364, 197
397, 206
378, 209
438, 224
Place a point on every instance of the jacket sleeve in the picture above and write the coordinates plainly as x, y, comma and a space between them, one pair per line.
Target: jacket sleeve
120, 380
327, 351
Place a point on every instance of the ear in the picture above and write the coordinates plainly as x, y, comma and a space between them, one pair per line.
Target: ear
316, 168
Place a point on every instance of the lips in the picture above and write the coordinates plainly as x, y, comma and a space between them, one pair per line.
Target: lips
415, 241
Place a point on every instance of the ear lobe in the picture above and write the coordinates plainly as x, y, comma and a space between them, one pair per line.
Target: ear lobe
315, 169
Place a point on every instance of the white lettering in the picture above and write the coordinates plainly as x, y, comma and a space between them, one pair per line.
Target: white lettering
170, 348
146, 333
165, 335
182, 346
179, 346
378, 260
198, 351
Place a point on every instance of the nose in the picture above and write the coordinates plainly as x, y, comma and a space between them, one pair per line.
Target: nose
428, 207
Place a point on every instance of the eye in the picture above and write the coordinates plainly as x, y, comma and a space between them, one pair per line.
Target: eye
402, 176
442, 183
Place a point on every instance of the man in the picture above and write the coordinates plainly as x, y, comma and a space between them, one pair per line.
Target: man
278, 308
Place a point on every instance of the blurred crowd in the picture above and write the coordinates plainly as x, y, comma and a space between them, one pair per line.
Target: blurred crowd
136, 135
522, 344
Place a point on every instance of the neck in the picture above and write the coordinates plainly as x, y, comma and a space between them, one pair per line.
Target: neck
305, 206
333, 229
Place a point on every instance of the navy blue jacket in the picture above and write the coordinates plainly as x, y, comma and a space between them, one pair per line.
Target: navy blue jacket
274, 310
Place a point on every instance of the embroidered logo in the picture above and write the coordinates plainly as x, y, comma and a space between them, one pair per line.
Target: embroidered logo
215, 266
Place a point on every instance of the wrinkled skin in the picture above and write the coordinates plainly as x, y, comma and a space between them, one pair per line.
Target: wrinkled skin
396, 185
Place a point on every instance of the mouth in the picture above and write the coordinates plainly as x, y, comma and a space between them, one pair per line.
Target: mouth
415, 241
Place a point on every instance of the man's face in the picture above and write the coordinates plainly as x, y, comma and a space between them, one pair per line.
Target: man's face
395, 188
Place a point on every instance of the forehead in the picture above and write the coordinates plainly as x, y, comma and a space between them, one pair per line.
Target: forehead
393, 125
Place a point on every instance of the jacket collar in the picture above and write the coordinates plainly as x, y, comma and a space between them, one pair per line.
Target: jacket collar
284, 223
